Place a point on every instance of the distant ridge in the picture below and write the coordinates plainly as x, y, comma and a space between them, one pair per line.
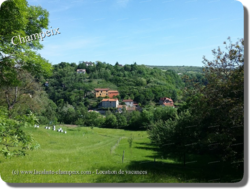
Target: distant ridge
171, 66
179, 69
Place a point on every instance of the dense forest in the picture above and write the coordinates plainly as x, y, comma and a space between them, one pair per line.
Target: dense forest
73, 94
136, 82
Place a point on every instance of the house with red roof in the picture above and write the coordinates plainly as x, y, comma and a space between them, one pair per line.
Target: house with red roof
113, 93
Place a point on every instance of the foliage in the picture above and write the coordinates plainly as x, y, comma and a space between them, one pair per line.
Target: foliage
216, 111
23, 20
146, 86
121, 120
29, 95
111, 121
176, 137
130, 141
180, 69
224, 96
13, 140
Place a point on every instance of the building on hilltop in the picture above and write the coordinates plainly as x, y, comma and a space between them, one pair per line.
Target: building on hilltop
166, 102
112, 94
110, 103
101, 92
86, 63
89, 63
81, 71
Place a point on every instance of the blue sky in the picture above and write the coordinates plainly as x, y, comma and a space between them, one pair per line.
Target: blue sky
150, 32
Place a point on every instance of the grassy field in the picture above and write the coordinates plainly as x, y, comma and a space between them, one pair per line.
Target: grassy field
87, 150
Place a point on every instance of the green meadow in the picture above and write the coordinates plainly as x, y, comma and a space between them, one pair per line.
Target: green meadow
91, 152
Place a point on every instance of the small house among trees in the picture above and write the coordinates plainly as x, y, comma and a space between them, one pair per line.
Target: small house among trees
129, 102
105, 92
166, 102
110, 103
101, 92
112, 94
81, 71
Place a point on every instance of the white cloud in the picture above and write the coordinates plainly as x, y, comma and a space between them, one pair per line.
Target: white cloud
122, 19
213, 19
99, 19
191, 37
213, 1
168, 1
60, 9
100, 1
145, 19
198, 48
168, 19
214, 37
122, 3
191, 1
64, 49
145, 1
189, 19
236, 19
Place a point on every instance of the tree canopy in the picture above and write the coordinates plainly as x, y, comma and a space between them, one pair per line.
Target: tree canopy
18, 18
19, 65
212, 120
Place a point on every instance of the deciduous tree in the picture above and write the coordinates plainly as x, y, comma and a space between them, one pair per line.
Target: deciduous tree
18, 18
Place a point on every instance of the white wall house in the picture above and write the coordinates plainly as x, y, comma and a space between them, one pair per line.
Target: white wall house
129, 103
83, 71
89, 64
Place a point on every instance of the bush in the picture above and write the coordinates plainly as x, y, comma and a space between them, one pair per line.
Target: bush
130, 141
14, 140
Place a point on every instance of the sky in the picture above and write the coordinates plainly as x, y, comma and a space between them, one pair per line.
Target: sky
149, 32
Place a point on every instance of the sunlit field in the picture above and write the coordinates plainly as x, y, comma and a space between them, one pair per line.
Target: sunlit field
91, 152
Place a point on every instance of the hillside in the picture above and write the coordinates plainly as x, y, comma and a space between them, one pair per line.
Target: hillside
73, 92
136, 82
180, 69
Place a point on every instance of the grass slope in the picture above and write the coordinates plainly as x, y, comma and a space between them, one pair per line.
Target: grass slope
86, 149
